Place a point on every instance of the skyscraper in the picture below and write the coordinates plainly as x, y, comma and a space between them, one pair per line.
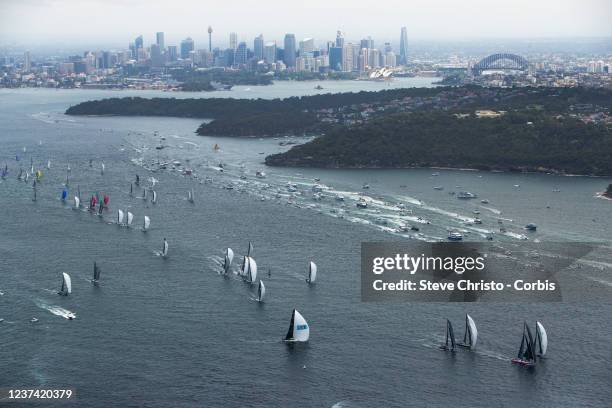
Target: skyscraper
157, 57
160, 41
335, 58
172, 53
258, 47
339, 39
233, 41
186, 47
240, 56
270, 52
306, 47
27, 61
289, 53
138, 43
403, 47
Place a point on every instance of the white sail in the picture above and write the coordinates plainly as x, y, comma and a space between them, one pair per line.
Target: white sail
543, 337
298, 329
48, 164
261, 291
190, 195
473, 331
252, 276
312, 273
103, 167
66, 284
119, 217
154, 199
77, 202
230, 255
147, 222
130, 218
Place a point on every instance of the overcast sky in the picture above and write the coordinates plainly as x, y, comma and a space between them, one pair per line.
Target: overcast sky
119, 21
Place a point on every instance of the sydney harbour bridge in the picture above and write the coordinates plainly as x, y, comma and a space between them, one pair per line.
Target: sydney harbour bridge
502, 61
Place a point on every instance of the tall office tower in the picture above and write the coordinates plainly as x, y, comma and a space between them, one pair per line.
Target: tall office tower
209, 38
355, 56
403, 47
233, 41
364, 62
187, 46
240, 56
157, 57
348, 58
138, 43
339, 39
160, 41
289, 53
27, 61
374, 58
306, 47
367, 43
172, 53
270, 53
390, 59
388, 47
335, 58
106, 59
258, 47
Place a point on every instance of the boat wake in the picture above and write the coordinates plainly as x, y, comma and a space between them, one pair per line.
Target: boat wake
56, 310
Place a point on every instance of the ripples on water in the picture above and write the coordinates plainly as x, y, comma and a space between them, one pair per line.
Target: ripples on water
174, 332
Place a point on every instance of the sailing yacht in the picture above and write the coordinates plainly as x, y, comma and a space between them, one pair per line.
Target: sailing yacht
227, 262
244, 259
77, 203
190, 196
312, 273
250, 270
154, 198
526, 355
299, 331
261, 291
119, 217
66, 285
471, 333
130, 218
146, 223
96, 274
450, 338
164, 252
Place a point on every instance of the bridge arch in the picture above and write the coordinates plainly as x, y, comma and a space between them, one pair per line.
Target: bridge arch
501, 61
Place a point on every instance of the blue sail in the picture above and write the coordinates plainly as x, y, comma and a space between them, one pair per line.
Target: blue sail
64, 194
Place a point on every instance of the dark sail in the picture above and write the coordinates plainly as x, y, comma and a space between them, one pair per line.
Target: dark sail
96, 272
467, 336
450, 334
226, 265
289, 335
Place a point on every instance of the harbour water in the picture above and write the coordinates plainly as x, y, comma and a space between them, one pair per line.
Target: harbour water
173, 332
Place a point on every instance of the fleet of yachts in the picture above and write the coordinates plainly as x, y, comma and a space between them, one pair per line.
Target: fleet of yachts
531, 348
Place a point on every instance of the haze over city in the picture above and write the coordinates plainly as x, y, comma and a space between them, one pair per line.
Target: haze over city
113, 22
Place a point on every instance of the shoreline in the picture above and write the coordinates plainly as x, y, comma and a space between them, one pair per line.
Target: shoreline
548, 173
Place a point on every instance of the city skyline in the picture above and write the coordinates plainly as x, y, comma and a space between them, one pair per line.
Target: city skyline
49, 21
